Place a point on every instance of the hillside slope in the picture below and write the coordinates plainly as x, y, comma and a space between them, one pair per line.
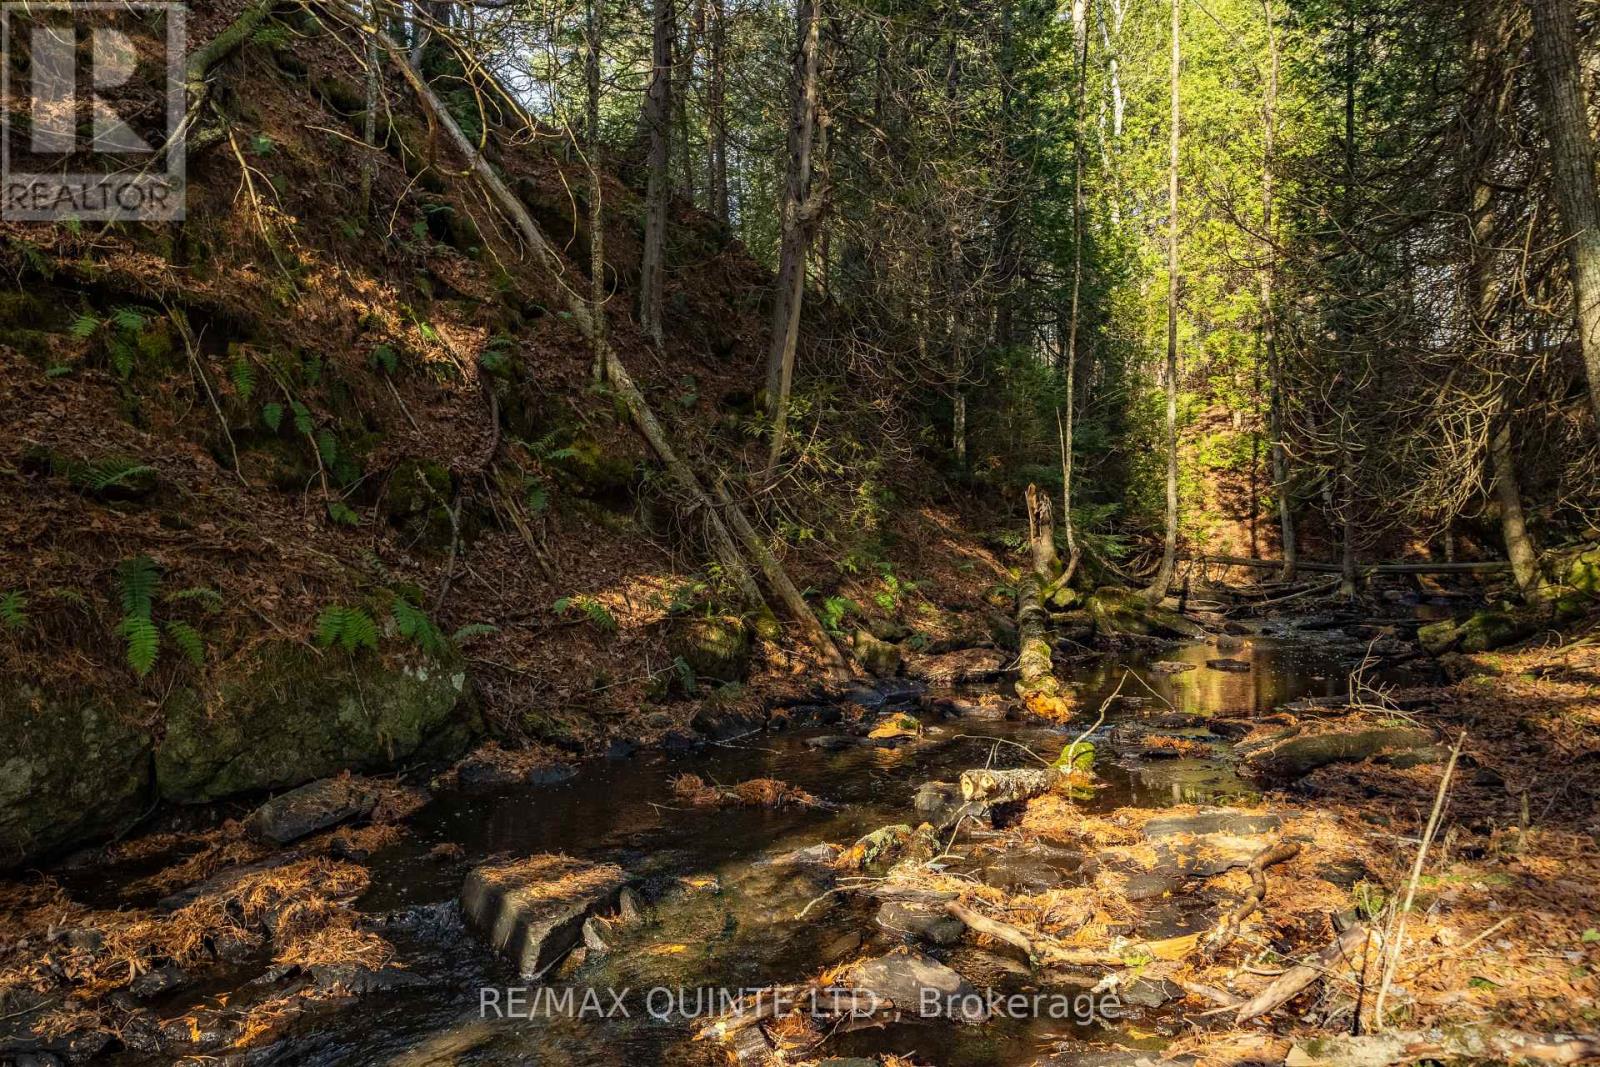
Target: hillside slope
296, 486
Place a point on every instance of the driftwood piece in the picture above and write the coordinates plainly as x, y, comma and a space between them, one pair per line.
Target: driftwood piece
722, 540
1277, 852
1288, 985
1007, 787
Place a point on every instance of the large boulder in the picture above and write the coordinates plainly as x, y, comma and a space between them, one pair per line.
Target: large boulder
71, 769
715, 647
1286, 758
879, 657
285, 715
532, 910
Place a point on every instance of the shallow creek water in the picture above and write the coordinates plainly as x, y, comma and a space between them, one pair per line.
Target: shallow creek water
723, 917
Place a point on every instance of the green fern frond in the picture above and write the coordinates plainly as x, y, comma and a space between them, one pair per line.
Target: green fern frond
538, 499
272, 416
129, 319
84, 327
413, 622
243, 376
137, 579
143, 641
98, 475
597, 614
302, 418
188, 640
327, 445
196, 594
122, 357
14, 610
384, 359
349, 628
343, 514
471, 630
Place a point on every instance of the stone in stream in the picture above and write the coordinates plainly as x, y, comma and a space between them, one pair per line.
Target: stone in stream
1172, 666
954, 668
821, 855
312, 807
921, 922
532, 910
912, 984
1236, 666
1219, 821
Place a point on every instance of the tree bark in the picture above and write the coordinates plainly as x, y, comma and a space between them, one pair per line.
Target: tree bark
1080, 40
1572, 173
1169, 547
658, 189
797, 214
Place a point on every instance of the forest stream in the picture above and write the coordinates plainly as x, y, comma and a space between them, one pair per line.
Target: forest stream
720, 914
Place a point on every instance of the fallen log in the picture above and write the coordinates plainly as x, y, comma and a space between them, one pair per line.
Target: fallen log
1466, 1043
1007, 787
1047, 951
1290, 983
722, 540
1278, 852
1474, 567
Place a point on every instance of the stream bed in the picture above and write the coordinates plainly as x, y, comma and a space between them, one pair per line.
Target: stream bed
722, 916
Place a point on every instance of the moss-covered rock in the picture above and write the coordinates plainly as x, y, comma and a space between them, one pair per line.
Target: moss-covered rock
878, 657
715, 647
71, 768
285, 715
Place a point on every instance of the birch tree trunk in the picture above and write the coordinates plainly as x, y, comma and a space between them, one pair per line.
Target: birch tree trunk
1169, 547
797, 214
1572, 161
658, 190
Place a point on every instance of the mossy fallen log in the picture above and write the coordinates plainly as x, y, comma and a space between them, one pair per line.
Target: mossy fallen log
1041, 691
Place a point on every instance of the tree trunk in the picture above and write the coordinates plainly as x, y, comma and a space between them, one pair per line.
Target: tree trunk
1080, 39
717, 111
1572, 173
594, 35
1520, 548
369, 124
1169, 548
658, 189
797, 214
1269, 322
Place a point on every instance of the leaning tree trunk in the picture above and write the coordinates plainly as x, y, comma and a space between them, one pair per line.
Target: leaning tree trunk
721, 539
1572, 160
658, 188
1269, 323
1169, 545
797, 215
